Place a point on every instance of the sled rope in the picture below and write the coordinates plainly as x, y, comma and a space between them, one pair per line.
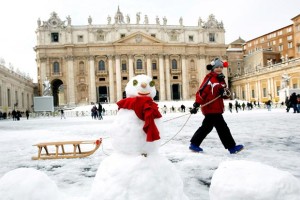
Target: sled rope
186, 120
178, 131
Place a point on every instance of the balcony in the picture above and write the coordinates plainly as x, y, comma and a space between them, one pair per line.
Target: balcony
175, 71
102, 73
140, 71
56, 74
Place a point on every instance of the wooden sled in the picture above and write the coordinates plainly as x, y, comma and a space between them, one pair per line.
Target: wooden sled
69, 149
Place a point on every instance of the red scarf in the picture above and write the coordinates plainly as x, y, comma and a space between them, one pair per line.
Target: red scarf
145, 109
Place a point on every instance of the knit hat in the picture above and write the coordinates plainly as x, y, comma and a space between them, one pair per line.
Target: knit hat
216, 63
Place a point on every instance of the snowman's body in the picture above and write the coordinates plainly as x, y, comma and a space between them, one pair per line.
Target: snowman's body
128, 136
136, 171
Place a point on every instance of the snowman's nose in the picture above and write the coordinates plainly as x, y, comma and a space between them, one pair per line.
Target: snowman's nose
144, 85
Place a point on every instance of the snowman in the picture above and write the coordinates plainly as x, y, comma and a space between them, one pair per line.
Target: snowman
136, 170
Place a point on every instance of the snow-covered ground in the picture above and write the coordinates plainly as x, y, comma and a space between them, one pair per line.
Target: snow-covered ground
270, 137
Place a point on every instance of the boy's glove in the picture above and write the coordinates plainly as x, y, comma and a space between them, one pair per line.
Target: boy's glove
195, 108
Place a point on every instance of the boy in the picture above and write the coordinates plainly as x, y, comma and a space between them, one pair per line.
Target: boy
210, 95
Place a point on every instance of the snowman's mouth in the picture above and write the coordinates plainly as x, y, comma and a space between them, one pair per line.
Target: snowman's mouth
143, 93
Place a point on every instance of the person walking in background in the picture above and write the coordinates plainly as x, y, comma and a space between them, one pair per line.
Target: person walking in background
230, 106
182, 108
293, 101
210, 95
62, 114
27, 114
237, 105
100, 111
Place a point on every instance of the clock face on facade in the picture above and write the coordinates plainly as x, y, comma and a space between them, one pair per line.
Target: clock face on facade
53, 22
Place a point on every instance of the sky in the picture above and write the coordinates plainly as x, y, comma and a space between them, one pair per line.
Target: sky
268, 164
247, 19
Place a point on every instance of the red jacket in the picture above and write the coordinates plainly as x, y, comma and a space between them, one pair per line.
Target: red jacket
209, 90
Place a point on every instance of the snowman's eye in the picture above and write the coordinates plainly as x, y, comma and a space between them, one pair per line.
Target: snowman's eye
152, 83
135, 82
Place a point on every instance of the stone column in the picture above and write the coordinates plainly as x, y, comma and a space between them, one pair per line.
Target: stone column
272, 91
130, 67
111, 79
43, 76
259, 96
70, 81
247, 92
201, 67
168, 79
185, 86
149, 70
269, 88
118, 78
162, 93
92, 88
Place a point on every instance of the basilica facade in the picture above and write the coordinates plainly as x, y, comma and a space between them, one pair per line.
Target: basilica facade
93, 62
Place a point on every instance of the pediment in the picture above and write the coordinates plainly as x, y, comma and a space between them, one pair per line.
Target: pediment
138, 38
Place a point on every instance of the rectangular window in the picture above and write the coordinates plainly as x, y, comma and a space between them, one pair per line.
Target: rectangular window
295, 86
54, 37
288, 30
253, 93
290, 37
124, 78
280, 47
278, 89
124, 66
122, 35
290, 45
212, 37
298, 49
279, 32
262, 40
274, 42
280, 40
191, 38
264, 92
16, 97
154, 67
8, 98
154, 77
153, 35
80, 38
175, 77
101, 79
298, 27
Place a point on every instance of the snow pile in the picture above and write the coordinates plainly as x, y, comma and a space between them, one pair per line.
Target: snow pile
122, 176
249, 180
28, 184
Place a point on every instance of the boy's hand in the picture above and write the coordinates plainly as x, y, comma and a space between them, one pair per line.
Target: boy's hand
195, 108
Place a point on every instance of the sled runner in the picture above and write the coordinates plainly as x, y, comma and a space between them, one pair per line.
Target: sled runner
66, 149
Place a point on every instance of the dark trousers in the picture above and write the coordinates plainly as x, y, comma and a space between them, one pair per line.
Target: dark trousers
217, 121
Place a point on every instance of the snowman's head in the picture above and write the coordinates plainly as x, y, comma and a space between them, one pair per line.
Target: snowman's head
140, 85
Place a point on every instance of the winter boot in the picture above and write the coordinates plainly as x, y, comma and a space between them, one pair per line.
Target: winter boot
236, 149
195, 148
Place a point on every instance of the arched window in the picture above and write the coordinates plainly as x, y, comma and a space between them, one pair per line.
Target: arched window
101, 65
81, 67
56, 68
192, 65
139, 64
124, 66
174, 64
154, 65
